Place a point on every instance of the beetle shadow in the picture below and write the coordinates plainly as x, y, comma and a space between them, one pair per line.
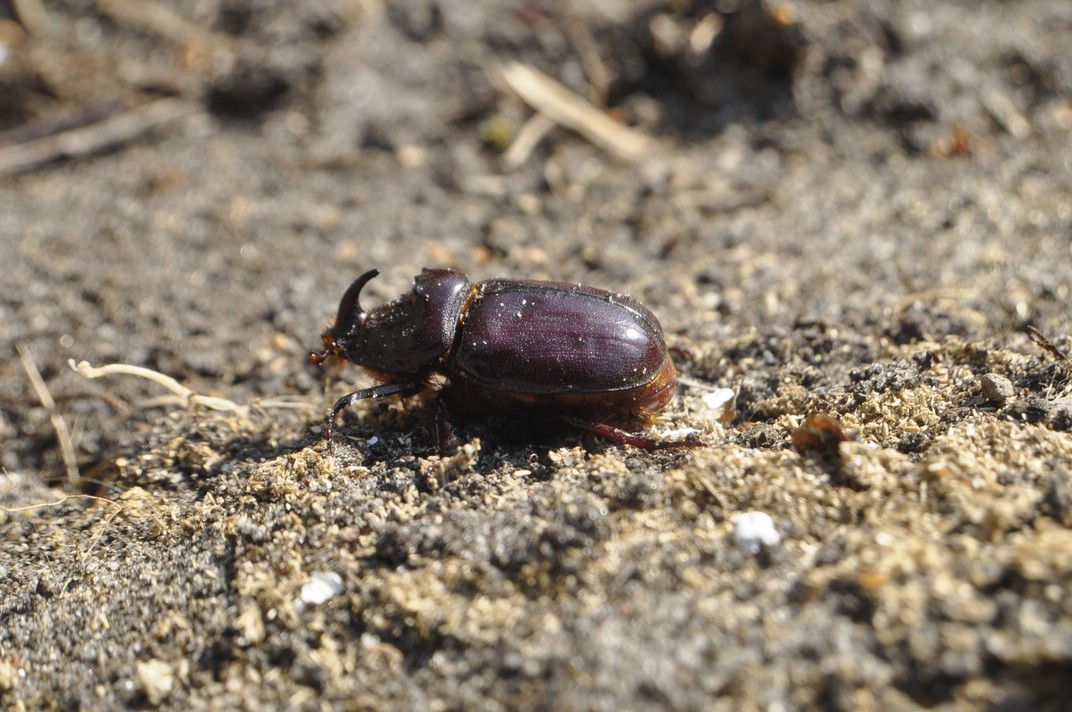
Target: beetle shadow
384, 435
413, 432
529, 444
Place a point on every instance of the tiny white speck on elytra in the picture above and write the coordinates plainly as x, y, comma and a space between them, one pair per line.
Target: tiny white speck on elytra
373, 440
754, 530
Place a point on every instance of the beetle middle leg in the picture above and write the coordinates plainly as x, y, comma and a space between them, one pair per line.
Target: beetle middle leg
381, 391
625, 437
440, 424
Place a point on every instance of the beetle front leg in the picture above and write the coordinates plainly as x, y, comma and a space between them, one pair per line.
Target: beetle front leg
381, 391
627, 438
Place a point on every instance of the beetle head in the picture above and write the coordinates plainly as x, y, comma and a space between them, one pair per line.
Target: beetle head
409, 335
348, 321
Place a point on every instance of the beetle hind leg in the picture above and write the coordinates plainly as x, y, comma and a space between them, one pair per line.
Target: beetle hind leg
625, 437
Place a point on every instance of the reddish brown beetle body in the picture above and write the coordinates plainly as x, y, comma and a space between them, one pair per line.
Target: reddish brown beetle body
511, 348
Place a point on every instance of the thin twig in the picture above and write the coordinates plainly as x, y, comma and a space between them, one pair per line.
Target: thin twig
565, 108
85, 140
160, 19
56, 122
186, 395
63, 435
1047, 345
96, 539
526, 140
584, 43
1005, 112
33, 16
56, 503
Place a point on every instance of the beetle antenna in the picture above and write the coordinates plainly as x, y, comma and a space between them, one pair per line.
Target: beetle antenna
350, 309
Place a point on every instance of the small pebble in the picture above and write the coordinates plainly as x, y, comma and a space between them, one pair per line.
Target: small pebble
754, 530
996, 388
321, 587
156, 679
9, 677
723, 402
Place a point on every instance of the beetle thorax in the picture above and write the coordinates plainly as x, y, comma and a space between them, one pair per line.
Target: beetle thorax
411, 334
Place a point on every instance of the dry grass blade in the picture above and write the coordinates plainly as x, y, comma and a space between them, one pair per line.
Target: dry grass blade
188, 396
526, 140
160, 19
32, 15
63, 435
85, 140
565, 108
1047, 345
599, 77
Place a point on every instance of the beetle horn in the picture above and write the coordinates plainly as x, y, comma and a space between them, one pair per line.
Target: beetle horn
350, 309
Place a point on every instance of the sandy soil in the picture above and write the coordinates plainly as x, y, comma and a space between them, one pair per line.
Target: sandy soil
854, 209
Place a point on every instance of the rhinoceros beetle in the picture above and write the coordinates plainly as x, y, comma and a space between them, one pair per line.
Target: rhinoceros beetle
510, 348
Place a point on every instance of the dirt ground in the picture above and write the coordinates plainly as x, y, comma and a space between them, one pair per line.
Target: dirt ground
856, 209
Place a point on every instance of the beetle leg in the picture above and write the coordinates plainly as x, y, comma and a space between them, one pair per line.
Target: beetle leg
440, 423
681, 353
627, 438
381, 391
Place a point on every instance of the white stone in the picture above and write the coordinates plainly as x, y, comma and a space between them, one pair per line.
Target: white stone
321, 587
754, 530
